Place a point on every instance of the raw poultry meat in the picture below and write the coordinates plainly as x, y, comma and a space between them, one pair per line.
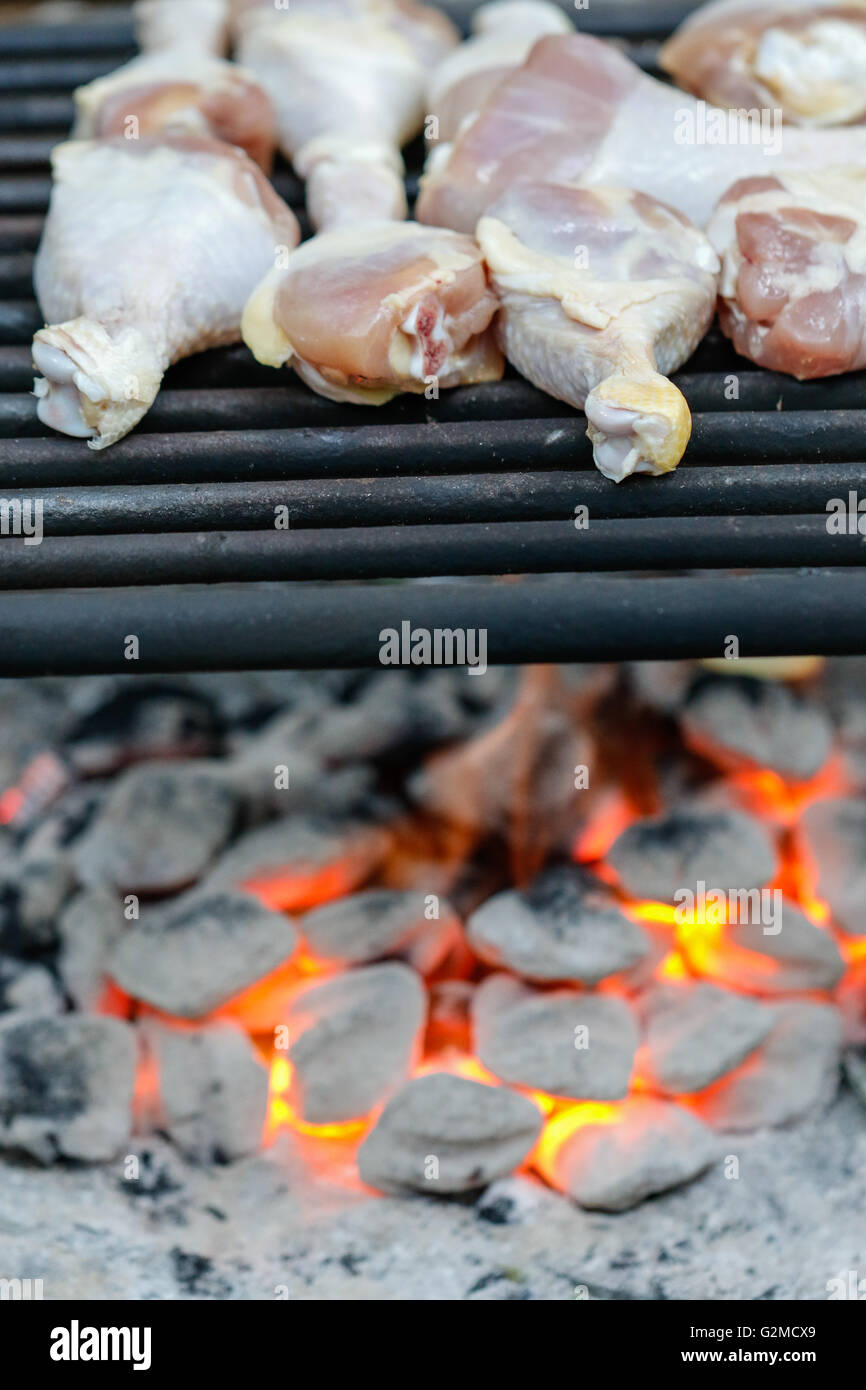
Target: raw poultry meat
793, 287
202, 24
807, 57
347, 80
365, 313
179, 90
604, 291
149, 253
579, 111
502, 34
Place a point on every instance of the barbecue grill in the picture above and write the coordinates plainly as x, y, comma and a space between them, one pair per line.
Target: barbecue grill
170, 534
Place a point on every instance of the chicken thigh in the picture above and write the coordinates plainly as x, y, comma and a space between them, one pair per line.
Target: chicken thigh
180, 90
604, 292
503, 32
793, 287
807, 57
347, 80
149, 253
579, 111
366, 313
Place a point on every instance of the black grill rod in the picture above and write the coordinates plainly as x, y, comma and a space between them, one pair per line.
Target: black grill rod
333, 505
572, 618
93, 35
737, 441
404, 552
282, 401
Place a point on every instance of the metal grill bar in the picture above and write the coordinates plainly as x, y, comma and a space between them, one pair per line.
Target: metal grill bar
170, 534
589, 618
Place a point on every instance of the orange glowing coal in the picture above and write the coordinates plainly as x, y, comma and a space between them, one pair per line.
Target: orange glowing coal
282, 1114
765, 794
299, 891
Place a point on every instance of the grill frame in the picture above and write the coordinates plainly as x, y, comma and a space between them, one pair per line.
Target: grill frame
169, 535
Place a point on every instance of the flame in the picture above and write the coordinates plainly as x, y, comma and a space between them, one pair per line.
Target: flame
300, 891
769, 796
613, 815
281, 1113
565, 1122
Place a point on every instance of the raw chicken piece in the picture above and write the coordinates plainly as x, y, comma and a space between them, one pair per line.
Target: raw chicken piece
149, 253
793, 287
347, 80
579, 111
604, 291
806, 56
364, 314
203, 24
503, 32
182, 91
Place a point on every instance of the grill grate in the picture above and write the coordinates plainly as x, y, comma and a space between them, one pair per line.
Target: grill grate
169, 535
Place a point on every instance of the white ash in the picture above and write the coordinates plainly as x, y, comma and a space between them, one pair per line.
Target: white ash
271, 1226
446, 1134
566, 926
833, 835
696, 1033
854, 1063
739, 722
652, 1146
657, 857
563, 1042
213, 1090
353, 1039
199, 951
380, 922
66, 1086
795, 1071
159, 829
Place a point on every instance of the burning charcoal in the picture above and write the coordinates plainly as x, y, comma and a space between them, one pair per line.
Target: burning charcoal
614, 1161
89, 926
562, 1042
128, 720
738, 722
301, 861
566, 925
200, 951
32, 716
658, 858
379, 922
353, 1040
695, 1033
854, 1062
213, 1090
663, 685
795, 1071
443, 1134
66, 1086
158, 830
28, 988
832, 836
32, 893
746, 956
